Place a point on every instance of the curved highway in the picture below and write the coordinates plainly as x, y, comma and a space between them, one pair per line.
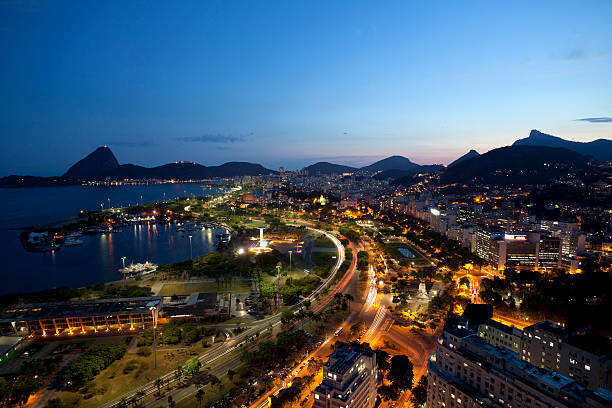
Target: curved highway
232, 344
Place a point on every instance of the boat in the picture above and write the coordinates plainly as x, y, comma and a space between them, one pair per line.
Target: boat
223, 238
139, 268
72, 240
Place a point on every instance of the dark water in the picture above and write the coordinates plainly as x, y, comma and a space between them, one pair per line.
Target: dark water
99, 258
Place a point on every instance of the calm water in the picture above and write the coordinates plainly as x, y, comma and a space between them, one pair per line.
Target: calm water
99, 258
406, 252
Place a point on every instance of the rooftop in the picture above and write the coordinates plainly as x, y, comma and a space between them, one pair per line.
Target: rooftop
591, 342
547, 326
81, 308
345, 357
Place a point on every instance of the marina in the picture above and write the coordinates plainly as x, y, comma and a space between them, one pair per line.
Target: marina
94, 254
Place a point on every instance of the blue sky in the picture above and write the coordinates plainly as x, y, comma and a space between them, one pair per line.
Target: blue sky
289, 83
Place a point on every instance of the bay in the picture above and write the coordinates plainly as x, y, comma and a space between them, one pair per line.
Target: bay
99, 258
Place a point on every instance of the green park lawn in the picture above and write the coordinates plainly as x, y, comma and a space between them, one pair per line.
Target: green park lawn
132, 371
187, 288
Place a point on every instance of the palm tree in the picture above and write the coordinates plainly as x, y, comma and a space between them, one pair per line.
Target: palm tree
200, 397
140, 395
349, 298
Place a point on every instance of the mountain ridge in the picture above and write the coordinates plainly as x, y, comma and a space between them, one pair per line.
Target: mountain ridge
468, 155
323, 167
95, 164
517, 165
600, 149
395, 162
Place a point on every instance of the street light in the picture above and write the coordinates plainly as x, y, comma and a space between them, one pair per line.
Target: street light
190, 248
124, 273
278, 286
290, 252
153, 308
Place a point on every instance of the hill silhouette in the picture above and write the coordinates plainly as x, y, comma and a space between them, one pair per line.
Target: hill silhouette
600, 149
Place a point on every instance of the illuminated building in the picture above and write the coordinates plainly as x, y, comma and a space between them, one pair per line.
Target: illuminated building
526, 250
581, 355
349, 379
498, 334
467, 371
82, 316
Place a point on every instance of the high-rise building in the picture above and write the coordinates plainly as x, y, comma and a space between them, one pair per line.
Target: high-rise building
467, 371
499, 334
582, 355
349, 379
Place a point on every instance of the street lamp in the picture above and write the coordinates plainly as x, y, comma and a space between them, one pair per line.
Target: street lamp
153, 308
278, 286
124, 273
190, 248
109, 202
290, 252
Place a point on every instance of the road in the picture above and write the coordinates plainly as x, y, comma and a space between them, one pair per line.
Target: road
369, 308
232, 344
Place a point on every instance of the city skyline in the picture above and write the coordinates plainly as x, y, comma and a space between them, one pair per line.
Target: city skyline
289, 85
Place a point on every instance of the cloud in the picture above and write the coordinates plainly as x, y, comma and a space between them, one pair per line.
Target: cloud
216, 138
123, 143
596, 120
575, 55
571, 55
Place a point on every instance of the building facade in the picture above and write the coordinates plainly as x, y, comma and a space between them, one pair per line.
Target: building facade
83, 316
349, 379
467, 371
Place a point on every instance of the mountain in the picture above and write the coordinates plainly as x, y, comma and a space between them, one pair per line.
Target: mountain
188, 170
468, 155
516, 165
328, 168
396, 174
600, 149
100, 162
390, 163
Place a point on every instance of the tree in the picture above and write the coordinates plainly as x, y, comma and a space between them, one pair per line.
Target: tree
178, 373
192, 366
287, 315
215, 382
144, 351
170, 334
158, 384
400, 374
230, 374
189, 334
171, 403
54, 403
387, 393
356, 329
200, 397
419, 393
382, 360
464, 281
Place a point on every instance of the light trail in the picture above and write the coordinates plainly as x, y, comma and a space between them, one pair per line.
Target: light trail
378, 319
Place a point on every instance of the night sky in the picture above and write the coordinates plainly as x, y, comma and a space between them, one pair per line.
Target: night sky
289, 83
